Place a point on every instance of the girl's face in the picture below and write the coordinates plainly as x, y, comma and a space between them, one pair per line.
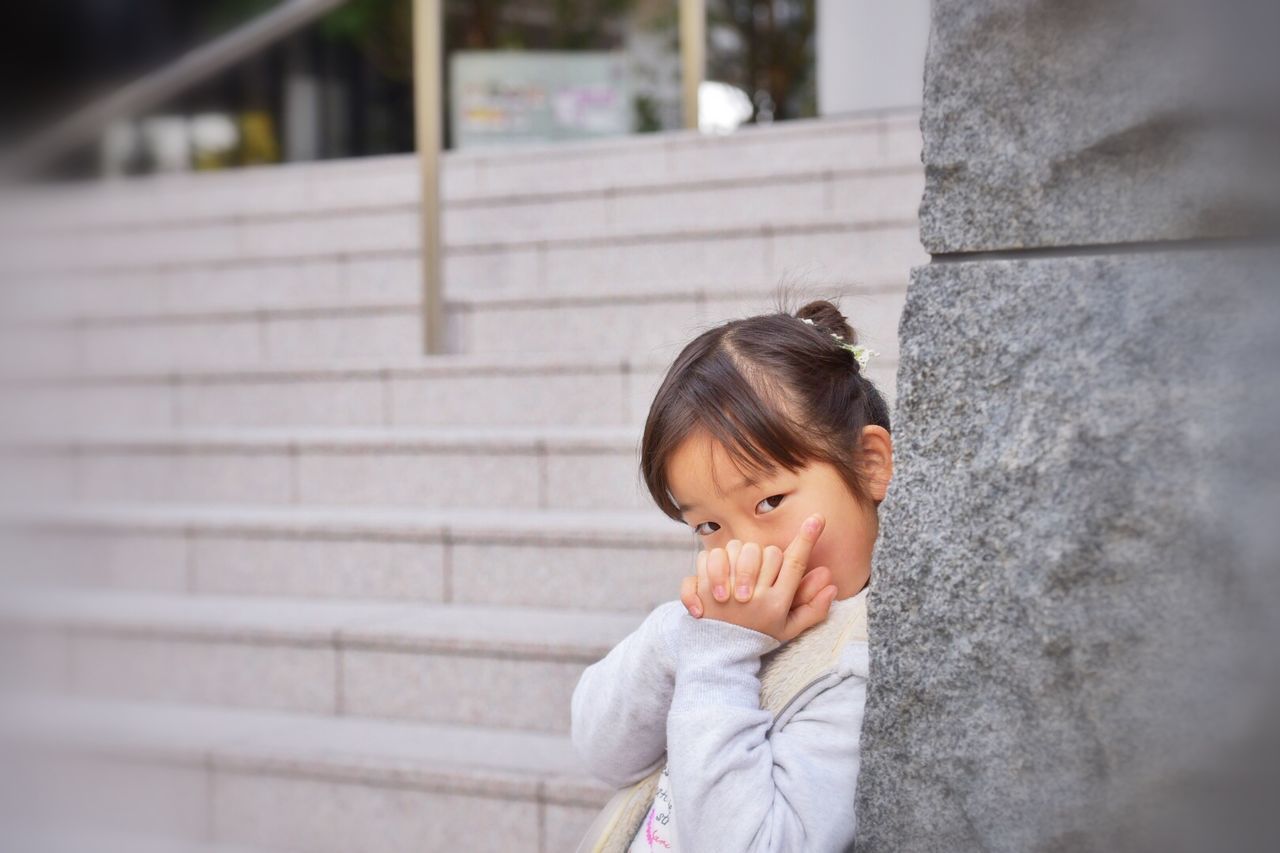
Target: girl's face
720, 506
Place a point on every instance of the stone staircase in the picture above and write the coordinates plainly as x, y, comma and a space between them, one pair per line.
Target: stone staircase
276, 581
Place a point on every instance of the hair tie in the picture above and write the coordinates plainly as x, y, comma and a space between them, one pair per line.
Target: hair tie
860, 353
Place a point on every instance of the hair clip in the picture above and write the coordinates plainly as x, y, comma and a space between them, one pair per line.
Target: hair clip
860, 353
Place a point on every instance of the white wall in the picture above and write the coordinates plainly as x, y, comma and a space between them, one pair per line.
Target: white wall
870, 54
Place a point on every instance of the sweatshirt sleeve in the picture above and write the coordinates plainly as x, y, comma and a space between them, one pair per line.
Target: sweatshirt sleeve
619, 708
733, 786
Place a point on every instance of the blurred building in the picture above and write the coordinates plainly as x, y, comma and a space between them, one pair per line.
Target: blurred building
342, 86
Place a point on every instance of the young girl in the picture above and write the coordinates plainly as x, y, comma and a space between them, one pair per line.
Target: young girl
730, 719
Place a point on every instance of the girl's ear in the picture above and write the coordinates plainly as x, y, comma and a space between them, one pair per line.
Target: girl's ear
877, 459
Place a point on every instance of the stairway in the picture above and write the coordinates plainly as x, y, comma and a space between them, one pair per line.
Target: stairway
274, 580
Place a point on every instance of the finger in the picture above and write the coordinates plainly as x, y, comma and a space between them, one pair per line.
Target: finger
746, 570
718, 574
813, 582
796, 558
770, 565
734, 548
806, 616
771, 562
689, 596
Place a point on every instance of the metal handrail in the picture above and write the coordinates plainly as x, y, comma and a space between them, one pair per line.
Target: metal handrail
191, 68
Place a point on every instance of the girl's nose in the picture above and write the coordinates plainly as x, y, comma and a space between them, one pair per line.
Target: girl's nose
751, 534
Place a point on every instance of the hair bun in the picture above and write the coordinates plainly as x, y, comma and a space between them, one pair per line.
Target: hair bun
827, 317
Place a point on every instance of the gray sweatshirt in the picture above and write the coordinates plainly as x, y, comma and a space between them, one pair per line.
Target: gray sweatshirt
685, 693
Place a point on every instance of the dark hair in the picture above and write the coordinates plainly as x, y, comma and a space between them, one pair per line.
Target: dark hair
772, 390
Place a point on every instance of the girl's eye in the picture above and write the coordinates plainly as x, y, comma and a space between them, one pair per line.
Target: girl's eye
771, 497
766, 500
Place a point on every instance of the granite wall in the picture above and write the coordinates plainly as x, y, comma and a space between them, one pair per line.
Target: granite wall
1075, 598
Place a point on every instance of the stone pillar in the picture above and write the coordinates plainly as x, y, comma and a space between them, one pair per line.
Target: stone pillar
1075, 603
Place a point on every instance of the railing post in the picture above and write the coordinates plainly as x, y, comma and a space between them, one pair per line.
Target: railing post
428, 116
693, 56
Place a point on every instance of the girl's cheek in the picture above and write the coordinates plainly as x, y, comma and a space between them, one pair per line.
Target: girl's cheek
817, 557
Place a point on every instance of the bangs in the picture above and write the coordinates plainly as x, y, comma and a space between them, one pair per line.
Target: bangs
759, 436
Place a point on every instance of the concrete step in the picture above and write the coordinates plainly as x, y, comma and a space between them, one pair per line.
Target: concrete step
497, 557
519, 322
646, 323
218, 340
23, 833
301, 782
324, 283
473, 180
856, 192
655, 258
779, 201
538, 389
444, 390
479, 665
441, 468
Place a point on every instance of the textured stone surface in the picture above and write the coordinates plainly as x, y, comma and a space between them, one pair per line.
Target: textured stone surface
1076, 576
1055, 124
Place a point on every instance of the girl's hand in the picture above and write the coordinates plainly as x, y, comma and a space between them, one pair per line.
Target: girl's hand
785, 601
741, 574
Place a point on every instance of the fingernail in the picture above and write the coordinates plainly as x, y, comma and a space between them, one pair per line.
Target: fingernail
811, 526
718, 592
744, 592
697, 611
